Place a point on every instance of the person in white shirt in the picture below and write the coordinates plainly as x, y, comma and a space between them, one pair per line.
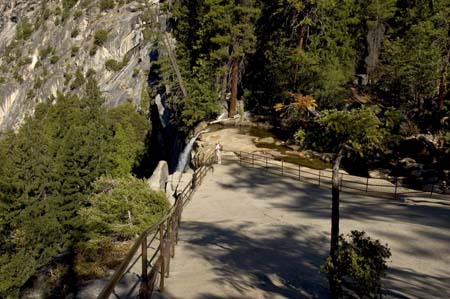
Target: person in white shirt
219, 152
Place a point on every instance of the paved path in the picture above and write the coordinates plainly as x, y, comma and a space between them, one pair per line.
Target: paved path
249, 234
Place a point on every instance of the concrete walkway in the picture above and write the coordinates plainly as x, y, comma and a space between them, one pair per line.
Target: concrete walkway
249, 234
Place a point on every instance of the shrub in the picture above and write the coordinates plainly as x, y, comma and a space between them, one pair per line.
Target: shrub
90, 73
93, 50
24, 30
106, 4
46, 51
118, 210
74, 33
77, 14
361, 265
100, 37
74, 50
299, 137
113, 65
78, 81
54, 59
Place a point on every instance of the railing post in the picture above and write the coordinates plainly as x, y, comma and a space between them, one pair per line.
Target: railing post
161, 255
266, 162
367, 184
194, 180
282, 168
396, 186
319, 177
143, 292
169, 247
240, 158
299, 172
341, 183
432, 189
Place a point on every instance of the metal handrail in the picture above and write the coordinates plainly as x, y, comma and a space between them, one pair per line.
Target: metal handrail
323, 177
167, 228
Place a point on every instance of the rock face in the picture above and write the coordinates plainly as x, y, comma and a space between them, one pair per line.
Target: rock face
160, 177
43, 45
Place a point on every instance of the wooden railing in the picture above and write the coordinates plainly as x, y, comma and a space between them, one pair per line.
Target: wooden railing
163, 235
347, 183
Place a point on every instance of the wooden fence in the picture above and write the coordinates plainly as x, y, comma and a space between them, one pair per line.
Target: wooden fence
347, 183
163, 235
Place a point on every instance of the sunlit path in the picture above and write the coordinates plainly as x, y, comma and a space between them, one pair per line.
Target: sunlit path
249, 234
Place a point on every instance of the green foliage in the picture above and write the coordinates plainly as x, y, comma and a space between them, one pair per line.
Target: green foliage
74, 50
299, 137
144, 102
100, 37
54, 59
211, 34
24, 29
47, 173
46, 51
78, 81
201, 104
122, 208
118, 210
359, 129
74, 33
360, 266
114, 65
106, 4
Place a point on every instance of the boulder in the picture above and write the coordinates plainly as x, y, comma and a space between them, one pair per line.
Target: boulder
408, 163
160, 177
379, 173
267, 140
294, 147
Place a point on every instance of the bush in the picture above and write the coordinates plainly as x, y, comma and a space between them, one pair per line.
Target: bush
54, 59
24, 30
118, 210
299, 137
93, 50
113, 65
78, 81
360, 266
74, 33
46, 51
74, 50
100, 37
106, 4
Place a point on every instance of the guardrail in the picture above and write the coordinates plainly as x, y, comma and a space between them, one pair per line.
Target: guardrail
165, 233
347, 183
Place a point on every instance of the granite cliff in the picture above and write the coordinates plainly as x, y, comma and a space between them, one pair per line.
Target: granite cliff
50, 46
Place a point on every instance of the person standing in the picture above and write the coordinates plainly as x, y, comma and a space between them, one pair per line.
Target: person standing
218, 152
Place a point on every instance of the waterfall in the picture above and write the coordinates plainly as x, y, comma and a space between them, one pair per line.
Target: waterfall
184, 157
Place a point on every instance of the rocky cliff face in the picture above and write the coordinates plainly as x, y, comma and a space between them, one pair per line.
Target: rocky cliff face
50, 46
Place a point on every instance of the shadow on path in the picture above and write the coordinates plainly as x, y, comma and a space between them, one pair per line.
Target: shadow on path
281, 260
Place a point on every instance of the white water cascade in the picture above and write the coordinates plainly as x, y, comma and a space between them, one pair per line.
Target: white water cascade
184, 157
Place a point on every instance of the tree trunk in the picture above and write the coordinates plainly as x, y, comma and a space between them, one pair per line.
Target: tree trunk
234, 87
300, 39
334, 245
443, 84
